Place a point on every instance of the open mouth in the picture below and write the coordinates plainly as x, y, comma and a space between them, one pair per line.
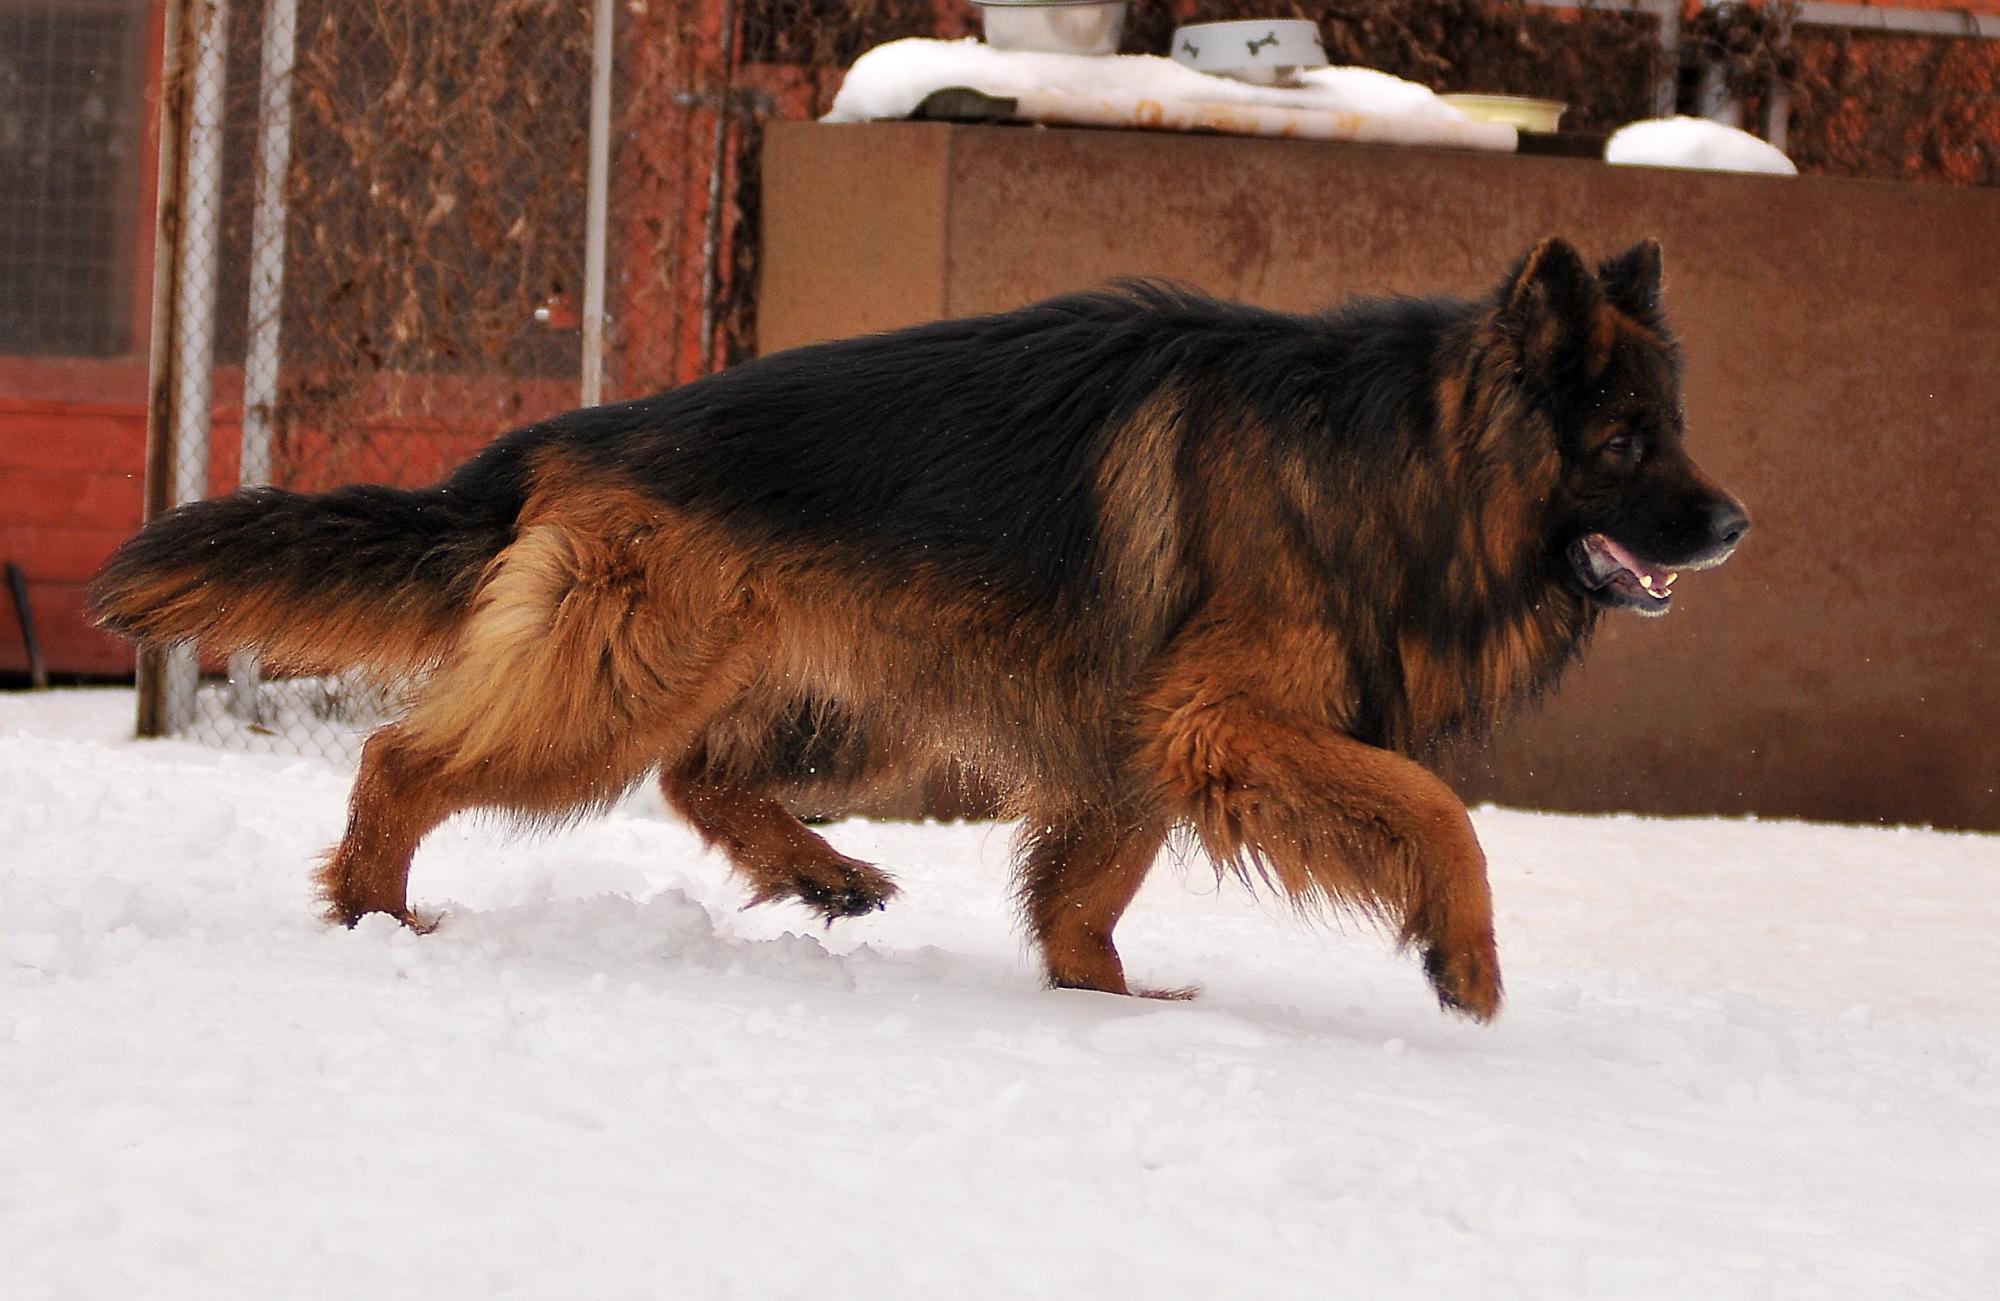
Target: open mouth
1617, 577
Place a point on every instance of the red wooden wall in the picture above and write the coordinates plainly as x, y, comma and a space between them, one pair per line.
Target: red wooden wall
73, 456
71, 488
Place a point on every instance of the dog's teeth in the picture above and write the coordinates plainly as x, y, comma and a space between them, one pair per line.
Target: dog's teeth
1646, 581
1671, 578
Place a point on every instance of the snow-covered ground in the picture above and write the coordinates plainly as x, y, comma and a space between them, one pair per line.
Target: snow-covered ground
1740, 1059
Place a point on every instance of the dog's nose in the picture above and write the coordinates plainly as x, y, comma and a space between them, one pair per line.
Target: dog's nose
1727, 523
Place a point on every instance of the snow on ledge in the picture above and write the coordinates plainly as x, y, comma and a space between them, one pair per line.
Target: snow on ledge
1695, 142
888, 82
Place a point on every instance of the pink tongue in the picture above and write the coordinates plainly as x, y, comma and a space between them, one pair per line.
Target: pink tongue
1630, 561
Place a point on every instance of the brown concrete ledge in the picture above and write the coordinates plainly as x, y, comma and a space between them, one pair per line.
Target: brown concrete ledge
1843, 348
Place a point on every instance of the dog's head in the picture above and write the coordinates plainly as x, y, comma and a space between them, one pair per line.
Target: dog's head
1599, 371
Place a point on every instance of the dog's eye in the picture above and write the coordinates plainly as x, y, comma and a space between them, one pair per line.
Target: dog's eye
1626, 449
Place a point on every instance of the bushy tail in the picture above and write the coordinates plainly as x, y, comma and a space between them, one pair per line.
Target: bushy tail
360, 577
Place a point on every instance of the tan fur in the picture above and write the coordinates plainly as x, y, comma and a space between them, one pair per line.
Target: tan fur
774, 849
1077, 880
389, 640
1329, 821
1140, 504
1604, 330
589, 644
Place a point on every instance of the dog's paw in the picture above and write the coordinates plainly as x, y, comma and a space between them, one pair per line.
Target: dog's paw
843, 887
1467, 981
419, 923
350, 915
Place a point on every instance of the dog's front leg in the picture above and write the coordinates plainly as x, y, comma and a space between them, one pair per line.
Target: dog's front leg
1336, 822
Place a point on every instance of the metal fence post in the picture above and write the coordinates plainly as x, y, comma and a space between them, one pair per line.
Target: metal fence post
194, 308
150, 677
267, 286
1666, 92
597, 202
391, 305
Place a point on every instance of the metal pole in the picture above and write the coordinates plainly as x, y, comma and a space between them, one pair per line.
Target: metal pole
1666, 91
267, 285
711, 240
194, 308
17, 583
1943, 20
150, 675
1713, 100
1778, 97
596, 206
267, 239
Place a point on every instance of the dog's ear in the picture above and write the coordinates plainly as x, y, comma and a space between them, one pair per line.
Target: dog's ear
1548, 306
1632, 280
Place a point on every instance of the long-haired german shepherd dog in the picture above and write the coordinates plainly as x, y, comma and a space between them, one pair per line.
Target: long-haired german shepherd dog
1140, 559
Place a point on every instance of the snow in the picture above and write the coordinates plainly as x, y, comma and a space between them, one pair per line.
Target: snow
1695, 142
889, 81
1740, 1059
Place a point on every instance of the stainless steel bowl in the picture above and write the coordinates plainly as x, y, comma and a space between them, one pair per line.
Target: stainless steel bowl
1054, 26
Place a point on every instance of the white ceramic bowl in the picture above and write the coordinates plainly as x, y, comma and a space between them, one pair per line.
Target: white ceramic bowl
1264, 50
1054, 26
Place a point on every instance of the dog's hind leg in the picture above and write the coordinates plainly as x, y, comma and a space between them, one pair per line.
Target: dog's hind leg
407, 787
779, 855
1333, 821
558, 694
411, 779
397, 800
1079, 871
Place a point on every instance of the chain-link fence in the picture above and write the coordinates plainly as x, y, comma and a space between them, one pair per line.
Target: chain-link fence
397, 228
391, 229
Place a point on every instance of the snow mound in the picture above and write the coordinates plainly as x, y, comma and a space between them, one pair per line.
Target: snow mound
1695, 142
888, 82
